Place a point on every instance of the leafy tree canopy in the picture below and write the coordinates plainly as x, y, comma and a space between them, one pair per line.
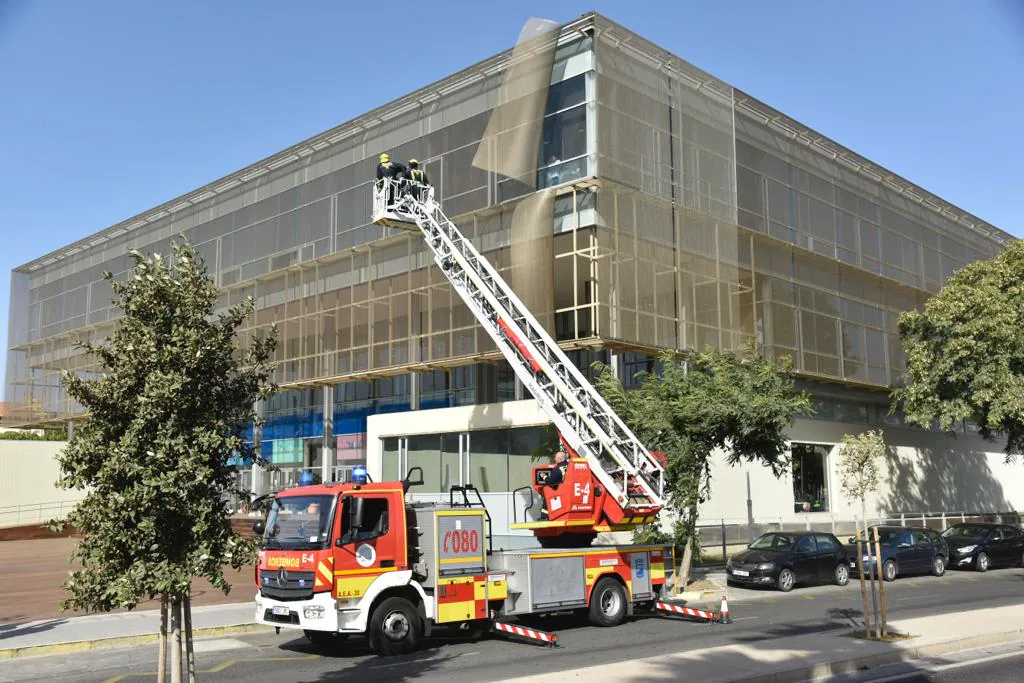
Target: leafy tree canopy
860, 456
965, 351
739, 402
165, 415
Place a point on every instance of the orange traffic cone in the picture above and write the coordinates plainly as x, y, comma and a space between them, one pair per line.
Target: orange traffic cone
723, 613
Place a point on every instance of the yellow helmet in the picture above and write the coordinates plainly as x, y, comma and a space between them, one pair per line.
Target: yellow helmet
413, 162
384, 158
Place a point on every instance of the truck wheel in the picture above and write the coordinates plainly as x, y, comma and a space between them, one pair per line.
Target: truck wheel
608, 603
324, 639
395, 627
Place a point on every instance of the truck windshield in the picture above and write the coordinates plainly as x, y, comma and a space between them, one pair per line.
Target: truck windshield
299, 523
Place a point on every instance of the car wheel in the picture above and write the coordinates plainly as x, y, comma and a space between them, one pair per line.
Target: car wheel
983, 562
889, 570
608, 603
842, 576
939, 565
786, 580
395, 628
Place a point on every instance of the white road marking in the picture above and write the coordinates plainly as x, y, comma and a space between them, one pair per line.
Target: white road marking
918, 597
218, 644
947, 667
742, 618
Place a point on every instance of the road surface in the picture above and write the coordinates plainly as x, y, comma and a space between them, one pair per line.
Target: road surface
758, 616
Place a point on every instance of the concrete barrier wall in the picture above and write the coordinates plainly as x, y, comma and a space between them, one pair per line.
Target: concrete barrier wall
28, 483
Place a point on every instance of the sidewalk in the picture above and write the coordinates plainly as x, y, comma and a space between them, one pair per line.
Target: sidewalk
125, 625
778, 658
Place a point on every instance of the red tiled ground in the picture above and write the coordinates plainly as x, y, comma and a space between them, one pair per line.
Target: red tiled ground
33, 572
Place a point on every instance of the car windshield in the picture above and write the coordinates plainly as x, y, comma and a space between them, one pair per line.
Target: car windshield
772, 542
965, 531
299, 522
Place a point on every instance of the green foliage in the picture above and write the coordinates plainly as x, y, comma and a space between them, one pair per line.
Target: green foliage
965, 351
739, 402
859, 459
165, 416
652, 534
47, 435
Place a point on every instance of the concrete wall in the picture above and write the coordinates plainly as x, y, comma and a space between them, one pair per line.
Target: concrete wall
28, 476
923, 471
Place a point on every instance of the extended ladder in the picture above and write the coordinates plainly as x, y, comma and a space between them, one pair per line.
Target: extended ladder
630, 474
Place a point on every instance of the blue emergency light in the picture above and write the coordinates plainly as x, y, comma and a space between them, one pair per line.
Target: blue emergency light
305, 479
359, 474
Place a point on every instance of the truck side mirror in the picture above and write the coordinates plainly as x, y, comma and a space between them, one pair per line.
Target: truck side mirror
258, 528
358, 513
409, 481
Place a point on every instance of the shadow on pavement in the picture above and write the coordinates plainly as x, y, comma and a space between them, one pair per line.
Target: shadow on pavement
16, 630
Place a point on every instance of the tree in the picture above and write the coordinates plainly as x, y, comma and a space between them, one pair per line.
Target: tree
165, 416
965, 352
859, 458
738, 402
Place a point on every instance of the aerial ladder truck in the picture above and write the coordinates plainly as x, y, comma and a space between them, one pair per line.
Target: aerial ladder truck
358, 558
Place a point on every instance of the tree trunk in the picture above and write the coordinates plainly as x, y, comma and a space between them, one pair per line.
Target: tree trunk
176, 640
161, 667
190, 656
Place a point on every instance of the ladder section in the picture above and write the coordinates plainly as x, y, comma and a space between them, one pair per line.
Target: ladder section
584, 419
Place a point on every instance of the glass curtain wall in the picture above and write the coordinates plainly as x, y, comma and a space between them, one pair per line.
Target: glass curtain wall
349, 298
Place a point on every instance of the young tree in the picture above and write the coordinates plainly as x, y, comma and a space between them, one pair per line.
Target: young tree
165, 417
859, 459
739, 402
965, 351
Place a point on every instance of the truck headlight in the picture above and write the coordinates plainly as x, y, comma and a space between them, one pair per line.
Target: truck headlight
313, 612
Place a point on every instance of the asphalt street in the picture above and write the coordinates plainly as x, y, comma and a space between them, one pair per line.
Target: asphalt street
758, 615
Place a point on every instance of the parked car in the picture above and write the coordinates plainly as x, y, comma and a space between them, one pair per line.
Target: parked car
783, 559
905, 550
983, 546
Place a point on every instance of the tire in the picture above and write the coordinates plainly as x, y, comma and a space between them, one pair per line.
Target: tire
889, 570
983, 562
324, 639
395, 627
608, 603
786, 580
938, 565
842, 574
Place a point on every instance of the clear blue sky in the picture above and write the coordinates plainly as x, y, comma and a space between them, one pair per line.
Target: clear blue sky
109, 108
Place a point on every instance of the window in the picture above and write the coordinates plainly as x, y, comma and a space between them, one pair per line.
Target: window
566, 94
826, 542
806, 545
810, 477
375, 520
922, 539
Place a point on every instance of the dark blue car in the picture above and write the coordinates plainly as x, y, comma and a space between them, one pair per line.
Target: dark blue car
905, 550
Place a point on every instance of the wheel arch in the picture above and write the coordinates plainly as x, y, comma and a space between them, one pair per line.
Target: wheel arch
617, 578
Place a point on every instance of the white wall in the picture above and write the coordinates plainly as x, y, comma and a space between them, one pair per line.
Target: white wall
28, 476
923, 472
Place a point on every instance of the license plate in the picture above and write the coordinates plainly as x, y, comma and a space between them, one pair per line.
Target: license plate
281, 611
740, 572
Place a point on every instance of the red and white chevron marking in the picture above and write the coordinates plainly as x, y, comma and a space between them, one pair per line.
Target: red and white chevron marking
549, 638
686, 611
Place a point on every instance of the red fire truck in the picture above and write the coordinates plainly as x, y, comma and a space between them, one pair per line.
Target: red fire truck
358, 558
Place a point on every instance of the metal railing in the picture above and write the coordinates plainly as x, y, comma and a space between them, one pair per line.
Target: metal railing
35, 513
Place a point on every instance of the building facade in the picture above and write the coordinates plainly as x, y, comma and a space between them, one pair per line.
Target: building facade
686, 213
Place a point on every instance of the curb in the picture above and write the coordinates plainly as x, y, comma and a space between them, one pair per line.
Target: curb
121, 641
903, 654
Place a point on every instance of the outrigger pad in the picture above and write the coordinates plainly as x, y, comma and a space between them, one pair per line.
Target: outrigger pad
531, 635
